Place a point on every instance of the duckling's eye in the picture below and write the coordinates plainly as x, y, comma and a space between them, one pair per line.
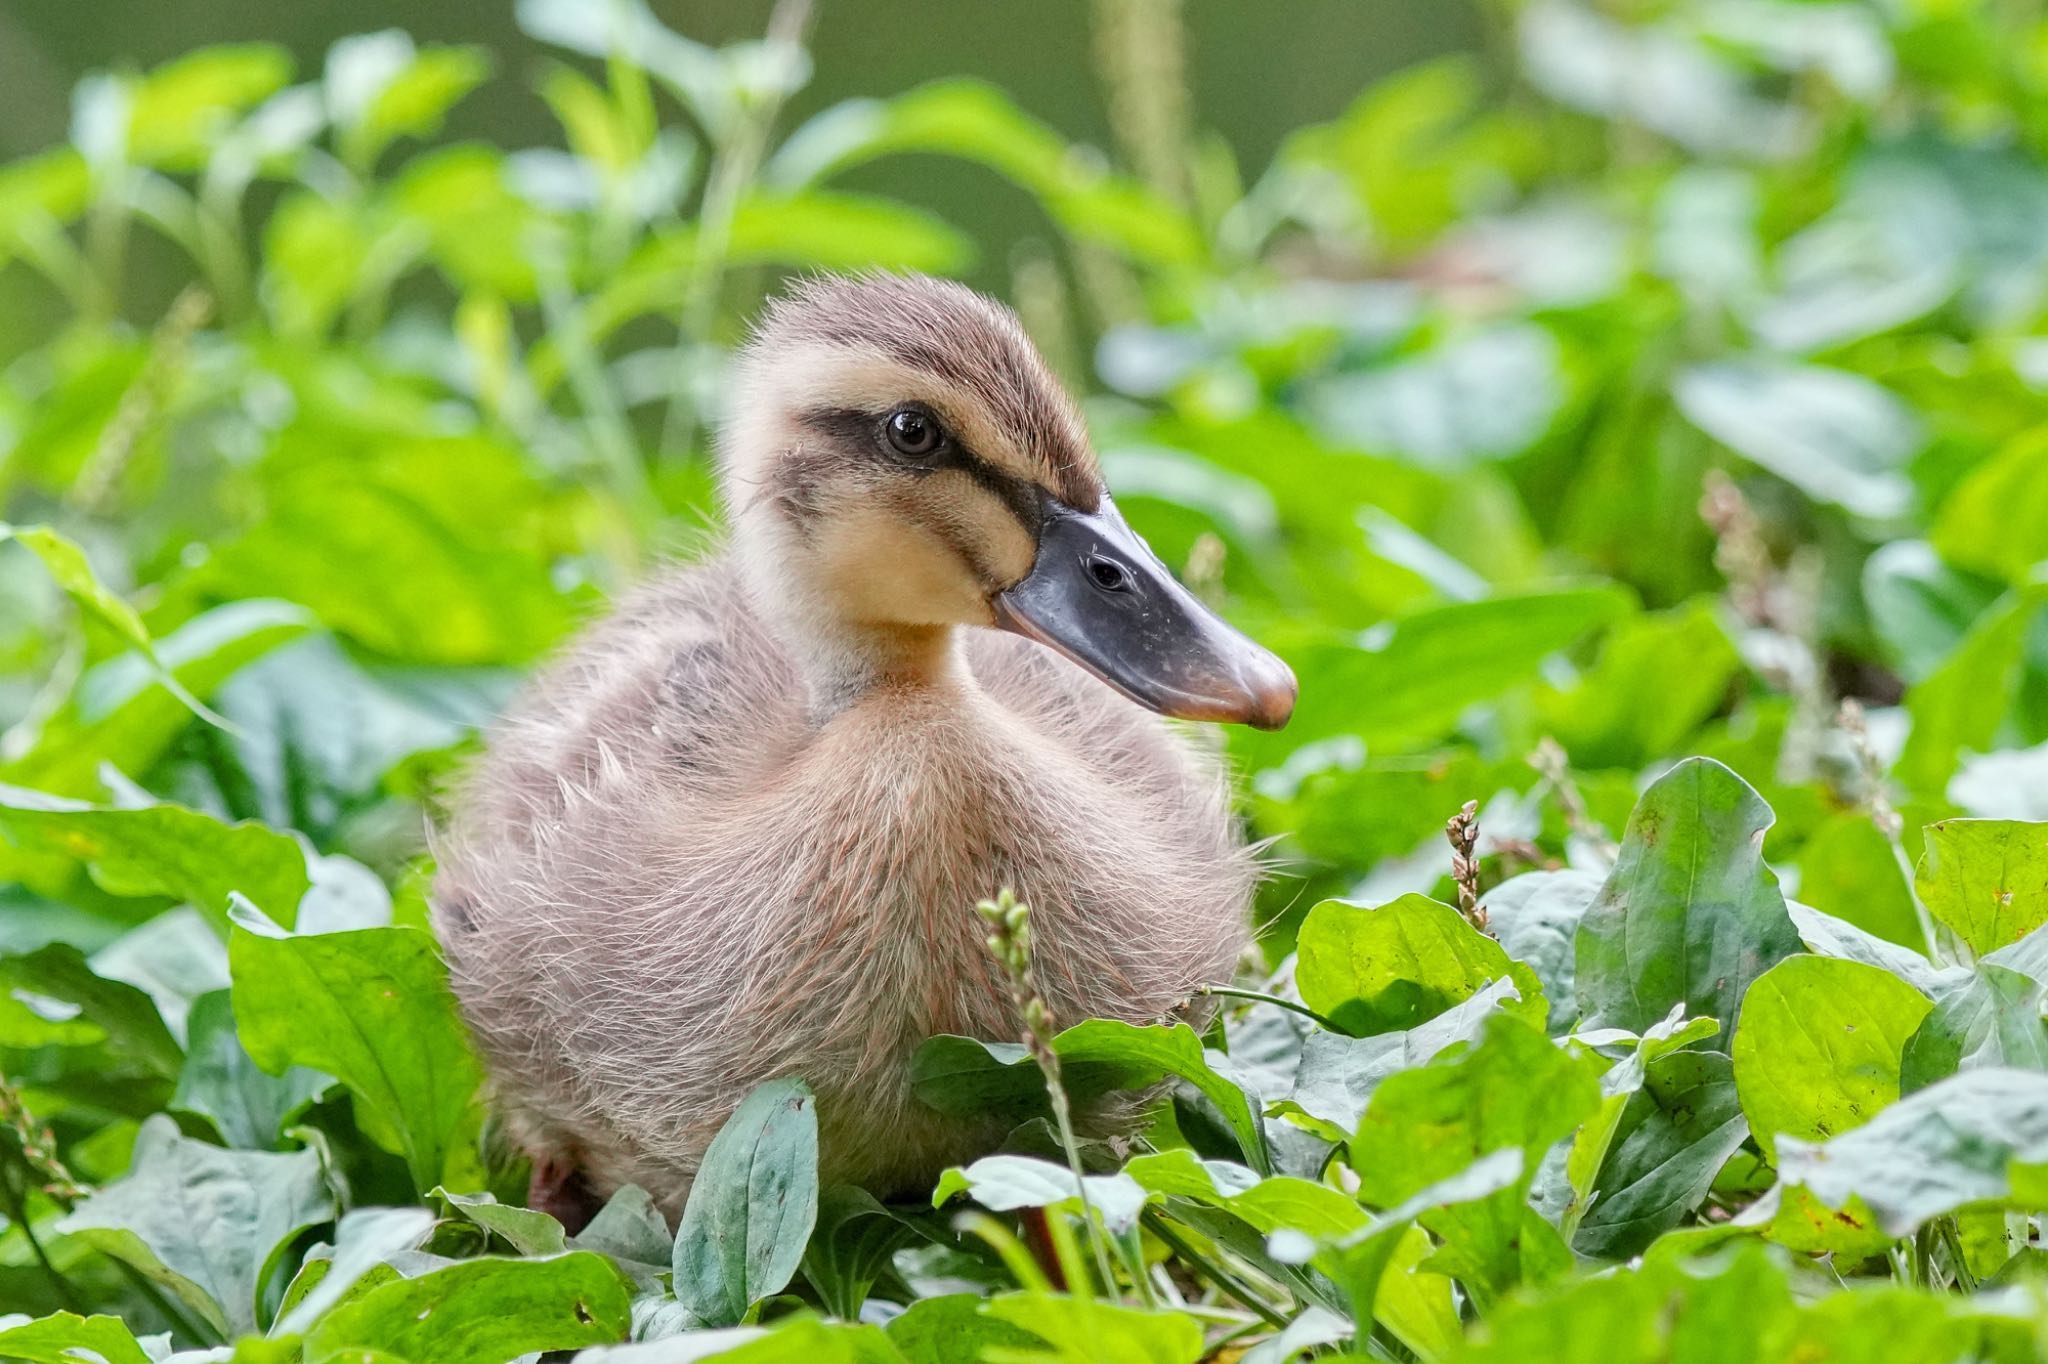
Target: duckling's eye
912, 433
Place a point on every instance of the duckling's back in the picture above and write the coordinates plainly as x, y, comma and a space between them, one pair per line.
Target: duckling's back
663, 885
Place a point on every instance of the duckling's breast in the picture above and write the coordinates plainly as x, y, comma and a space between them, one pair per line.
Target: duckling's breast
675, 932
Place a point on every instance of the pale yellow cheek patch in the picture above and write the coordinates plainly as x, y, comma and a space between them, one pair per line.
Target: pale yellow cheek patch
883, 569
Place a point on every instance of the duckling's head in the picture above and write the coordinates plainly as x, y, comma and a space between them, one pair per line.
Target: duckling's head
899, 460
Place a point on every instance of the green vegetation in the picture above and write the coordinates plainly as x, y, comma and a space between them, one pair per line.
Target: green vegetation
1636, 434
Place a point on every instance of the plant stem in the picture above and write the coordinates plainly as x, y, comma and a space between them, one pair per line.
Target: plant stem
1209, 1269
1261, 997
1009, 940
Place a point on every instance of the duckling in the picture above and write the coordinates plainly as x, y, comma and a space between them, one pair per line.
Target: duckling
738, 830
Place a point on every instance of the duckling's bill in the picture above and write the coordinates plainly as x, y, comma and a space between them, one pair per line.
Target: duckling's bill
1097, 594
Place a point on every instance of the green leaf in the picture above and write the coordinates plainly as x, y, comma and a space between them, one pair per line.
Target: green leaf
177, 112
632, 1231
73, 572
1082, 1332
161, 850
526, 1231
1657, 679
481, 1312
1986, 879
222, 1084
66, 1338
122, 714
1513, 1090
1996, 520
423, 590
1847, 869
752, 1205
977, 122
1978, 1137
1410, 678
1119, 1055
947, 1329
850, 1248
1390, 968
1535, 917
1819, 1048
961, 1075
1960, 705
1992, 1016
1337, 1075
91, 1008
1919, 605
1670, 1121
1836, 436
1266, 1204
370, 1007
204, 1223
1690, 913
1006, 1183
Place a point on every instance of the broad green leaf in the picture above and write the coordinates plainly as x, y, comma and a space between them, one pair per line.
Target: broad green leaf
977, 122
121, 714
1394, 967
203, 1223
1996, 520
752, 1205
1833, 937
66, 1338
632, 1231
422, 590
1657, 678
1690, 913
366, 1240
851, 1248
481, 1312
1266, 1204
1129, 1056
945, 1329
1486, 395
222, 1084
1920, 605
1081, 1332
965, 1076
161, 850
54, 985
1535, 917
73, 572
1337, 1075
528, 1232
1847, 869
1819, 1048
1986, 879
1959, 706
314, 250
1007, 1183
1834, 435
370, 1007
1668, 1120
1410, 678
177, 112
1991, 1016
1981, 1136
1513, 1090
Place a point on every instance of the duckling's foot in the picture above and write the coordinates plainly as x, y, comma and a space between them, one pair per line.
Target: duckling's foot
560, 1189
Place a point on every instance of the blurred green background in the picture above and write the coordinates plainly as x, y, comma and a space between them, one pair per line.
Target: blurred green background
1257, 72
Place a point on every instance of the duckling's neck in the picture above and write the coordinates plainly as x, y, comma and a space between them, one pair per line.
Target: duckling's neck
844, 665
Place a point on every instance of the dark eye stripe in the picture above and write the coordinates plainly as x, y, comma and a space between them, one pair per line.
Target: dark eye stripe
856, 432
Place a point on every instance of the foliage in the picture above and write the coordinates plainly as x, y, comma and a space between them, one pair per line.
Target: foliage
1586, 427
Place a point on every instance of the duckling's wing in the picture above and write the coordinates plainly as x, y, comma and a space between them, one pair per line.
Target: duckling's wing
678, 697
